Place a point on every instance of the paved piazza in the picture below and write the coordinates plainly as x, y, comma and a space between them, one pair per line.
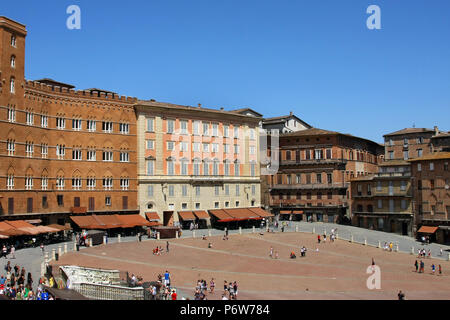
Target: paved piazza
336, 271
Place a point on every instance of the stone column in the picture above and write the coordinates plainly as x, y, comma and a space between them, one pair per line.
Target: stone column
65, 248
176, 234
365, 241
90, 242
314, 230
193, 233
296, 228
118, 238
74, 246
104, 239
396, 247
59, 251
253, 229
158, 236
379, 244
412, 250
46, 259
53, 254
240, 230
351, 238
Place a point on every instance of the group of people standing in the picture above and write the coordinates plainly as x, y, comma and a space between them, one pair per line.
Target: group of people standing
420, 267
17, 284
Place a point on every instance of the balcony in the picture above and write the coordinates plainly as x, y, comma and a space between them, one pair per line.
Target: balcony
313, 161
309, 186
304, 203
393, 174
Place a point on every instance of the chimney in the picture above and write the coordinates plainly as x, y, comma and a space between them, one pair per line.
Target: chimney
221, 108
436, 130
291, 114
199, 105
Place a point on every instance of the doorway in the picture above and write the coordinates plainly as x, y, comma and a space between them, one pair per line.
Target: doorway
168, 218
405, 228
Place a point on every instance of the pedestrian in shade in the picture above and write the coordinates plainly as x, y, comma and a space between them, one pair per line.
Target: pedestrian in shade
401, 295
440, 270
416, 264
167, 246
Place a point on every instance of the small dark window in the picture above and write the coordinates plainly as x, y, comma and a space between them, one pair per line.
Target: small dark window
125, 202
44, 202
60, 199
91, 204
10, 205
76, 202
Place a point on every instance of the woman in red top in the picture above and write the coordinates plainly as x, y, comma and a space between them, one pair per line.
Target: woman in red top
174, 295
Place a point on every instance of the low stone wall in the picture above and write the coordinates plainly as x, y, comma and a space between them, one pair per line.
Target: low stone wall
108, 292
77, 274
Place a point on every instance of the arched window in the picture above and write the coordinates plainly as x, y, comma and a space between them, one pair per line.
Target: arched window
13, 41
13, 61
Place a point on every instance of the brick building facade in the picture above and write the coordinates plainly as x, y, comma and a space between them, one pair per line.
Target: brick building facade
315, 168
61, 148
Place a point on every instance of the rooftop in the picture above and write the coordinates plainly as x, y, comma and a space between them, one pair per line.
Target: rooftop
433, 156
55, 83
399, 162
408, 131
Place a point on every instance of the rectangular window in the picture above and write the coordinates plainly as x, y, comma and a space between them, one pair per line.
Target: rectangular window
227, 168
252, 134
318, 154
215, 168
30, 118
432, 184
215, 147
124, 128
107, 126
124, 157
44, 121
253, 190
216, 190
403, 204
196, 128
329, 178
319, 178
76, 183
252, 150
403, 185
150, 124
91, 183
308, 178
431, 166
44, 151
237, 204
227, 190
236, 132
184, 168
60, 183
150, 167
150, 191
44, 183
379, 186
391, 155
419, 153
28, 183
226, 131
205, 129
76, 124
107, 156
170, 145
11, 147
170, 126
252, 169
171, 191
206, 147
170, 168
380, 204
184, 206
226, 148
184, 190
298, 178
60, 200
91, 155
197, 191
215, 130
107, 201
150, 144
205, 168
236, 149
76, 154
236, 169
29, 149
307, 154
91, 125
237, 190
329, 155
196, 168
107, 183
11, 114
419, 167
405, 155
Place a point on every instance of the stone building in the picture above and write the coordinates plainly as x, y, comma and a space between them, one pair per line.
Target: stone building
285, 124
383, 201
195, 159
431, 184
315, 168
62, 151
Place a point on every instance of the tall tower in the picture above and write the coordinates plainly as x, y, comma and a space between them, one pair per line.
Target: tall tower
12, 62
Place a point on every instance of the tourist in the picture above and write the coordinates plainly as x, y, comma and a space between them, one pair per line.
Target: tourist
429, 253
373, 262
225, 286
324, 237
416, 264
210, 245
13, 252
211, 285
174, 294
440, 270
231, 289
401, 295
318, 239
422, 267
276, 254
293, 256
167, 246
440, 252
4, 251
235, 288
390, 246
433, 268
29, 280
154, 292
167, 278
271, 252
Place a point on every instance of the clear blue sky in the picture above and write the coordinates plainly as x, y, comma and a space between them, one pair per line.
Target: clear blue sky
315, 58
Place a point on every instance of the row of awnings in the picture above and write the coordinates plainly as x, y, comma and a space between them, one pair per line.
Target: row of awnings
193, 215
291, 212
113, 221
23, 228
240, 214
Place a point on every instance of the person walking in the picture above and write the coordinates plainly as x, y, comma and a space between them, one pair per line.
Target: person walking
373, 262
401, 295
271, 252
4, 251
42, 248
440, 270
433, 268
13, 252
422, 267
211, 286
416, 264
167, 246
318, 239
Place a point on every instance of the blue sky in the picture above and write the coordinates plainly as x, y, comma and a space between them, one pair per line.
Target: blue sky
315, 58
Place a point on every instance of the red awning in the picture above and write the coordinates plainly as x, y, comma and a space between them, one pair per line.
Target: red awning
261, 212
84, 222
220, 214
297, 212
286, 212
132, 220
152, 216
201, 214
78, 210
186, 215
427, 229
